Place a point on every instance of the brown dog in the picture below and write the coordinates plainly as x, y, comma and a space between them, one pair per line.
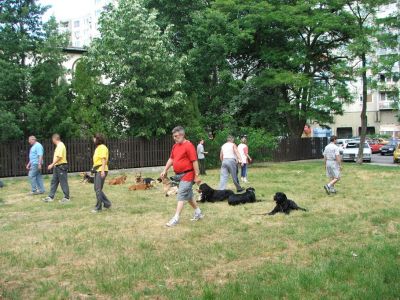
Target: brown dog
118, 180
169, 188
139, 187
138, 178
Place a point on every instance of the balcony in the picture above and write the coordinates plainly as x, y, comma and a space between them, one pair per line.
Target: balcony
387, 105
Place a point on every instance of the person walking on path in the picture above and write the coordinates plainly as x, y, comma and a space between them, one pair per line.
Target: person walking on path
201, 157
244, 155
230, 157
333, 165
100, 168
35, 166
60, 171
186, 167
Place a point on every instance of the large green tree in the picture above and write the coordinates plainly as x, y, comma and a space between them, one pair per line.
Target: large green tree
34, 99
141, 72
20, 33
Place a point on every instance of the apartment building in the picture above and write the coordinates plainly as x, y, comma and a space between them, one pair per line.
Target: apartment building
83, 29
382, 103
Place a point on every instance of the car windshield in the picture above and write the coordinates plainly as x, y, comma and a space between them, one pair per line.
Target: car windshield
355, 145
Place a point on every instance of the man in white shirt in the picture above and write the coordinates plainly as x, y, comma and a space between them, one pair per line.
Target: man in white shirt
333, 165
201, 157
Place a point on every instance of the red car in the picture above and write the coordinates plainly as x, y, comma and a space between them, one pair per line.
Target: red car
375, 147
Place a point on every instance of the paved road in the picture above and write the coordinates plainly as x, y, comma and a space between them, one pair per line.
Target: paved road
384, 160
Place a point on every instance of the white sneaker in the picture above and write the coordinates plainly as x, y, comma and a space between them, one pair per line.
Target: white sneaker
173, 222
197, 217
65, 200
48, 199
245, 180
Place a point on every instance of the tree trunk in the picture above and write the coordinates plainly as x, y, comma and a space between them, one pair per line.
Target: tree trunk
363, 134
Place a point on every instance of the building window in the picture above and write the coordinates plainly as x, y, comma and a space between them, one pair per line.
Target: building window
76, 23
382, 96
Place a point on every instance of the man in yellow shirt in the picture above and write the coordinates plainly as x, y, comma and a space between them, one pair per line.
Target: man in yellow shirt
60, 171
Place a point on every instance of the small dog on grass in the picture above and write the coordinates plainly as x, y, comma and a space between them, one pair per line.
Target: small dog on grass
139, 187
284, 205
208, 194
118, 180
86, 177
170, 187
147, 180
247, 197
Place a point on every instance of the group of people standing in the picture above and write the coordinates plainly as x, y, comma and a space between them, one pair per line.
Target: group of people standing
59, 166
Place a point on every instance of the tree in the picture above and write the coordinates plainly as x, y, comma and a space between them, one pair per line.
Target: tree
20, 33
363, 48
142, 73
48, 108
289, 52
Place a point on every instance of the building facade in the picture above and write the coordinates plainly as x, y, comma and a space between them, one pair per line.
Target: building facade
382, 103
84, 29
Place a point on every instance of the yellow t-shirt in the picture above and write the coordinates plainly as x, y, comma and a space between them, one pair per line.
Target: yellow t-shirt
100, 153
60, 151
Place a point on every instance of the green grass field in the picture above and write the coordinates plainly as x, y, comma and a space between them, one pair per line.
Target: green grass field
346, 247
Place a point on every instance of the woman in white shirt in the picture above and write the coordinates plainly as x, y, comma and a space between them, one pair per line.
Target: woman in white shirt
244, 154
230, 157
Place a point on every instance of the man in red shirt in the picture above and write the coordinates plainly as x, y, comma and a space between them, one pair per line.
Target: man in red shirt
184, 161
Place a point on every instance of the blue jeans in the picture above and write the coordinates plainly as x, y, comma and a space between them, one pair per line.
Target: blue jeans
244, 170
35, 176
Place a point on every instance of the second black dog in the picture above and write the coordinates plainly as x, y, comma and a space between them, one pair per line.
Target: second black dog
208, 194
247, 197
284, 205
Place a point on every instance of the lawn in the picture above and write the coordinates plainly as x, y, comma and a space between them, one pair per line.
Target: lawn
346, 246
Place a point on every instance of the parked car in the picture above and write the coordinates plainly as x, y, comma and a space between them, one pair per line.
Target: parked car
389, 148
351, 151
396, 154
375, 146
341, 143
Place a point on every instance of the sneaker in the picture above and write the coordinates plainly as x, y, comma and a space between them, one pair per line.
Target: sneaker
245, 180
95, 211
65, 200
197, 217
173, 222
48, 199
327, 189
333, 190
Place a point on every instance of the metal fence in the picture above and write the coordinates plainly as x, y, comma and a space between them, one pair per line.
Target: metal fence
140, 152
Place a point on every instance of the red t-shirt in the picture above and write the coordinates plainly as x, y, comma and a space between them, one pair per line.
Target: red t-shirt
183, 156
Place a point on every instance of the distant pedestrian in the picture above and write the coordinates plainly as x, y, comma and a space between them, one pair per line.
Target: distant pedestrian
201, 157
230, 157
333, 165
35, 166
100, 168
184, 161
246, 159
60, 171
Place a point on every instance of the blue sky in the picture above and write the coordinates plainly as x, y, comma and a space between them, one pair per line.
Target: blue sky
66, 9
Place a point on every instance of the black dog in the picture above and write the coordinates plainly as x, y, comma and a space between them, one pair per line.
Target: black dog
208, 194
247, 197
87, 177
284, 205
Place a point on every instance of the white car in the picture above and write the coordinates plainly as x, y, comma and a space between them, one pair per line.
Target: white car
342, 143
350, 153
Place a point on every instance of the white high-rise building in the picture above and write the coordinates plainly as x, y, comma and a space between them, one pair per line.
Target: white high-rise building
83, 29
382, 102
